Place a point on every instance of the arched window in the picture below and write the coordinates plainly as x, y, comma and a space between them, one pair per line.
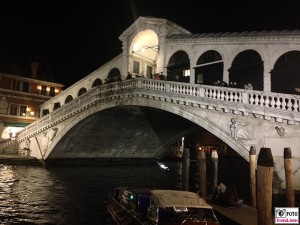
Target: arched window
209, 68
68, 99
179, 67
285, 75
81, 91
113, 76
247, 67
97, 82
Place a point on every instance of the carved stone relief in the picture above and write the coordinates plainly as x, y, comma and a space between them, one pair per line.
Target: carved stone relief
238, 131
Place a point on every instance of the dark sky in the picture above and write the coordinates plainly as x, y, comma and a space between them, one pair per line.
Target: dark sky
70, 39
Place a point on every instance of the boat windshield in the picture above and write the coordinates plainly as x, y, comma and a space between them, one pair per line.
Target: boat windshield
174, 214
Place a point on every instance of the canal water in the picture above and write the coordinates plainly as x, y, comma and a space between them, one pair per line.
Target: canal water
74, 195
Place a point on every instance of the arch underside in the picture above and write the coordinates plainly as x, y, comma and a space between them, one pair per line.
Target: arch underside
144, 128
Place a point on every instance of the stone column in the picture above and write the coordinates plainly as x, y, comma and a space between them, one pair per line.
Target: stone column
267, 76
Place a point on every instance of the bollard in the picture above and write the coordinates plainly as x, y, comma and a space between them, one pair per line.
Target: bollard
265, 167
214, 158
186, 169
252, 161
202, 173
288, 168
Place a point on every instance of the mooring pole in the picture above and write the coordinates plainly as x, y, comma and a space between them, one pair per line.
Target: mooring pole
265, 167
202, 173
288, 168
186, 169
252, 161
214, 158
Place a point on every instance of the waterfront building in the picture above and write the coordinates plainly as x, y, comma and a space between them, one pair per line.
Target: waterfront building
20, 99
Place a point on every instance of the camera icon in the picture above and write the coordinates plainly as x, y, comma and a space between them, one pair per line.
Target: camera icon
281, 213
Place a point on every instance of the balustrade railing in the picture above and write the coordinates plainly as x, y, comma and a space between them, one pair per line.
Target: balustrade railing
276, 101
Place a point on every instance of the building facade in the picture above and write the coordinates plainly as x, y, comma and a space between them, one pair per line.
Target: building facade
20, 99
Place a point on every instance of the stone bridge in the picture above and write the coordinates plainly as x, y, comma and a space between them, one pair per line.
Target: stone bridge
120, 119
241, 118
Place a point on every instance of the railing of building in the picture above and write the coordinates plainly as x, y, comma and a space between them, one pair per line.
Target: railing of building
266, 104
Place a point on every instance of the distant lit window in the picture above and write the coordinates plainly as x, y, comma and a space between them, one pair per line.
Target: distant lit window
13, 110
186, 73
136, 67
23, 110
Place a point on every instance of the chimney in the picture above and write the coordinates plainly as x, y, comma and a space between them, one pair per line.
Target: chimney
34, 68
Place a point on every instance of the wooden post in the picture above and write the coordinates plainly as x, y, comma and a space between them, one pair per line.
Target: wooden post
186, 169
202, 173
265, 167
288, 167
252, 161
214, 158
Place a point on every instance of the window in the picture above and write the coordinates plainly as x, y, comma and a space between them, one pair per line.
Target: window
44, 90
25, 87
149, 71
136, 67
52, 91
20, 86
13, 109
186, 73
16, 85
23, 110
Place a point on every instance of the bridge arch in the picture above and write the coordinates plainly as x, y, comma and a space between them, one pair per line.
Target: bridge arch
209, 68
113, 76
285, 75
144, 51
81, 91
201, 119
178, 64
97, 82
247, 67
68, 99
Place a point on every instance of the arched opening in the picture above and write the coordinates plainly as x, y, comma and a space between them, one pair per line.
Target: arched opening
81, 91
178, 68
144, 49
68, 99
113, 76
56, 105
209, 68
97, 82
246, 68
285, 75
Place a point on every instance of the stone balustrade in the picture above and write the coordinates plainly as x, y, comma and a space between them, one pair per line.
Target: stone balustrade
276, 105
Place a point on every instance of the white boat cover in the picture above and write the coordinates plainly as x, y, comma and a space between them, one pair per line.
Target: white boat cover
174, 198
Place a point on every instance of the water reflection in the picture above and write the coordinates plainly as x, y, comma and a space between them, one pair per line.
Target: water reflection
72, 195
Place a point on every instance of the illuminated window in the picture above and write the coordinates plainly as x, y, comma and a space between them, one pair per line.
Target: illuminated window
186, 73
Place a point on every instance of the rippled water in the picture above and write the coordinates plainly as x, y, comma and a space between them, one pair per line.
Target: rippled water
73, 195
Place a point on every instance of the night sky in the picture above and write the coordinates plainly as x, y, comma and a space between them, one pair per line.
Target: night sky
70, 39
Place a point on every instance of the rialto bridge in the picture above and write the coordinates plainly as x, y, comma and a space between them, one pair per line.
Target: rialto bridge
104, 115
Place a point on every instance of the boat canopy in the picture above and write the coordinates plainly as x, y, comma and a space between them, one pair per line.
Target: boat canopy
174, 198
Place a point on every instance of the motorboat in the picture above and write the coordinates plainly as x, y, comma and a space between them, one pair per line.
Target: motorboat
159, 207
